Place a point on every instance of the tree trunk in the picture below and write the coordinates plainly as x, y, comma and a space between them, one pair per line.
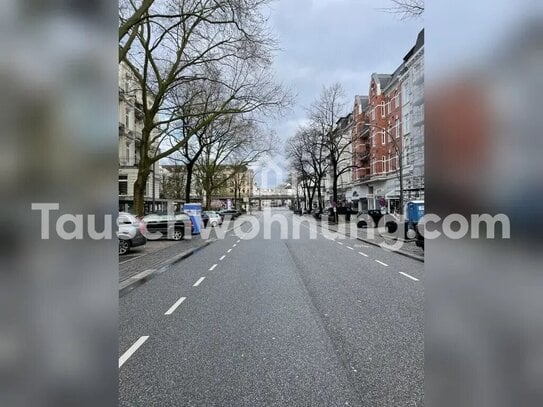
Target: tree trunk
188, 181
139, 188
319, 194
208, 199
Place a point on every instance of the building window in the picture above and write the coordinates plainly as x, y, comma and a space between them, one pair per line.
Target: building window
127, 117
373, 113
383, 113
406, 123
383, 138
397, 100
405, 92
123, 185
383, 163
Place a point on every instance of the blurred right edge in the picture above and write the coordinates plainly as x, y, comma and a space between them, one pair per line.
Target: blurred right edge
484, 145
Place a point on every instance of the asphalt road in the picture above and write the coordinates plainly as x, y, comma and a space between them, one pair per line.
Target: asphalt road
290, 322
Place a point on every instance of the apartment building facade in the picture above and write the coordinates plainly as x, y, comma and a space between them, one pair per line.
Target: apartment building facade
388, 136
130, 126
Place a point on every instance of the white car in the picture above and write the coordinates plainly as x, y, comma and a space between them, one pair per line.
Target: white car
214, 219
129, 232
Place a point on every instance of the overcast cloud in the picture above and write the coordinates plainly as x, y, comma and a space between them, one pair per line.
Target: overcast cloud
327, 41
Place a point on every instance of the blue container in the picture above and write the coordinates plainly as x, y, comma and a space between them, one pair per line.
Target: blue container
415, 211
194, 210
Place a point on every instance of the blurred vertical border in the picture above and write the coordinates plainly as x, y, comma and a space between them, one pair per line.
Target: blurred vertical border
484, 123
58, 299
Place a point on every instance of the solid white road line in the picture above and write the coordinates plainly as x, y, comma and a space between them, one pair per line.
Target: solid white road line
380, 262
222, 258
212, 267
174, 306
349, 247
197, 283
408, 276
229, 250
132, 350
363, 254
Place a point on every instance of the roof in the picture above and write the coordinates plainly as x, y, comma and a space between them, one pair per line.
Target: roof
382, 78
418, 45
362, 101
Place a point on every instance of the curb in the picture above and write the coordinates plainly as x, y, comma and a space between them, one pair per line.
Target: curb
401, 252
132, 282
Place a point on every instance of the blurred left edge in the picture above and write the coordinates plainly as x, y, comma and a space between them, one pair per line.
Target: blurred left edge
58, 296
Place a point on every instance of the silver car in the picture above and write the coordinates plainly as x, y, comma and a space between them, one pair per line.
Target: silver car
129, 232
214, 219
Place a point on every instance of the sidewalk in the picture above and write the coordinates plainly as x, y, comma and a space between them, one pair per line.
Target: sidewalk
157, 254
408, 247
156, 258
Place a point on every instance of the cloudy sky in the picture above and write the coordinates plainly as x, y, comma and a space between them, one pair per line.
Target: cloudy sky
327, 41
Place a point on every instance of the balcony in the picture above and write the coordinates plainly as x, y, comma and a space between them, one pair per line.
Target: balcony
418, 75
138, 111
418, 97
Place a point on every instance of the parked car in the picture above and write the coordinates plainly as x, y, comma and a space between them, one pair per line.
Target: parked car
374, 214
212, 218
229, 213
129, 233
172, 226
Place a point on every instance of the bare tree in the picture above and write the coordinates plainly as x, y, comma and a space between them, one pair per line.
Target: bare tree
234, 144
132, 14
406, 8
332, 132
223, 44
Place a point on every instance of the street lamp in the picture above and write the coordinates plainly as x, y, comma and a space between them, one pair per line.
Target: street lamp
400, 161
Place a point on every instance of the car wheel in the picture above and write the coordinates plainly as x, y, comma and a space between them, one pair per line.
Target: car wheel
214, 223
177, 234
391, 227
124, 246
362, 224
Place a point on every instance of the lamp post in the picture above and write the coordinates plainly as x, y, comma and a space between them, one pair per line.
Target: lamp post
400, 160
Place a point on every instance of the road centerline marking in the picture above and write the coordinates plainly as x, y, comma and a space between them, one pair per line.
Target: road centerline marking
229, 250
363, 254
234, 245
340, 243
222, 258
212, 267
380, 262
197, 283
125, 356
174, 306
350, 248
408, 276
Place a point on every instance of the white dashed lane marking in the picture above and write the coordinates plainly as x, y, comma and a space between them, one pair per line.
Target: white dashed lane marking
222, 258
174, 306
408, 276
363, 254
132, 350
380, 262
212, 267
197, 283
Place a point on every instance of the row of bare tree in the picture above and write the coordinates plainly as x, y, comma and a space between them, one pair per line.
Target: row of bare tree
203, 73
321, 147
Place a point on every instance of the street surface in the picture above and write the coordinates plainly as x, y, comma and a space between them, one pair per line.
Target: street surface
289, 322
